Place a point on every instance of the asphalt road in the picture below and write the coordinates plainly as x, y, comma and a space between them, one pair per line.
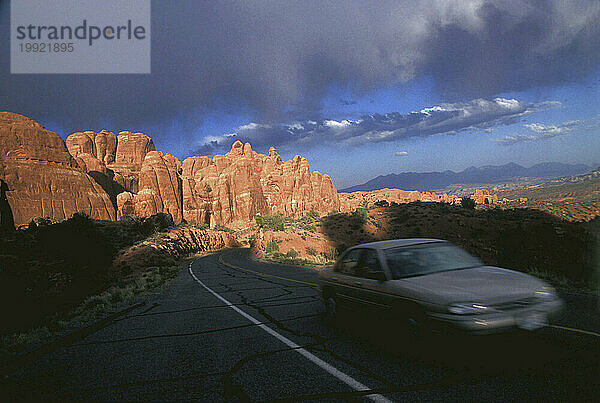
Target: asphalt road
232, 328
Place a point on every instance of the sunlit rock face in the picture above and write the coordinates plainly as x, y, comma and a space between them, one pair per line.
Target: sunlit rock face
119, 158
483, 196
109, 176
41, 178
234, 187
160, 187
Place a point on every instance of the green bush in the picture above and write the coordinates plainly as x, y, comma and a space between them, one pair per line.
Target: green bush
311, 251
292, 253
313, 215
467, 202
274, 222
272, 246
331, 254
310, 227
220, 227
361, 213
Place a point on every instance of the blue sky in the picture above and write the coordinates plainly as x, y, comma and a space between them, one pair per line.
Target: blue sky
360, 89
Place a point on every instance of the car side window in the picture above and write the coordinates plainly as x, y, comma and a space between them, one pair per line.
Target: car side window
348, 263
368, 265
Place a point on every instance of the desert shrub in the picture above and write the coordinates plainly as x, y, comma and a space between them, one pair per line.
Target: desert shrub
313, 215
193, 224
272, 246
157, 222
252, 240
311, 251
292, 253
207, 188
381, 203
467, 203
331, 254
310, 227
361, 213
274, 222
220, 227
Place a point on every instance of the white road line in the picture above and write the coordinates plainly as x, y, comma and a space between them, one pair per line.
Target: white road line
347, 379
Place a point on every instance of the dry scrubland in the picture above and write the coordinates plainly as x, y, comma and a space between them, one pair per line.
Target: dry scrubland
79, 269
528, 240
574, 198
52, 274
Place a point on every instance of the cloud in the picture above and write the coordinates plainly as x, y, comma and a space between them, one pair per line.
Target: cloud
401, 153
278, 60
516, 138
553, 130
477, 114
543, 132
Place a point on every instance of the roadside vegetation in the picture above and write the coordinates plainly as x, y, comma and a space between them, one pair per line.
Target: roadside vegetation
306, 229
123, 292
279, 222
63, 275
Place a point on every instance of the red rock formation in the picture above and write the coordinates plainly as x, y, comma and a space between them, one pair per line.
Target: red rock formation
233, 188
125, 204
483, 196
42, 178
228, 189
160, 187
131, 149
352, 201
101, 145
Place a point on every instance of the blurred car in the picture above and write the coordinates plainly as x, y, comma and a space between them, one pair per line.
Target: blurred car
431, 284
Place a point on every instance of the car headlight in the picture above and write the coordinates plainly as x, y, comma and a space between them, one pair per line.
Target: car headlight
467, 308
545, 294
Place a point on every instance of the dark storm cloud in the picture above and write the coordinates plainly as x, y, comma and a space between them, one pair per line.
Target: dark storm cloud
278, 59
478, 114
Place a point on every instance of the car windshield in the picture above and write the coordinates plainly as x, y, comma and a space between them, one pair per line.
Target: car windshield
428, 258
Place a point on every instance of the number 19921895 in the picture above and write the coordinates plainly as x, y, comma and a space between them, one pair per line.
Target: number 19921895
49, 47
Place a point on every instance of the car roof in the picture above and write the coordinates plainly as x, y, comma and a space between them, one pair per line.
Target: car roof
397, 242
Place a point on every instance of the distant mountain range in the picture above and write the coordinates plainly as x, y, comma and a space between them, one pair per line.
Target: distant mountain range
487, 174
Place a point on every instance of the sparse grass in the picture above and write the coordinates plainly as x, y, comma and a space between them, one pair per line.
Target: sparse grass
282, 258
220, 227
193, 224
92, 308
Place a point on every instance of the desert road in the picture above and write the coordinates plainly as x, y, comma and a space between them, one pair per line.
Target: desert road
230, 328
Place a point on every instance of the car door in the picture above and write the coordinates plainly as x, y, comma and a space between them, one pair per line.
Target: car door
344, 282
370, 281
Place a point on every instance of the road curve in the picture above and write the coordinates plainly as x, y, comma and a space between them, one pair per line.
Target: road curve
234, 329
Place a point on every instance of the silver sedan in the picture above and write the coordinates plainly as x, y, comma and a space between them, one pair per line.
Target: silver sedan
431, 284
